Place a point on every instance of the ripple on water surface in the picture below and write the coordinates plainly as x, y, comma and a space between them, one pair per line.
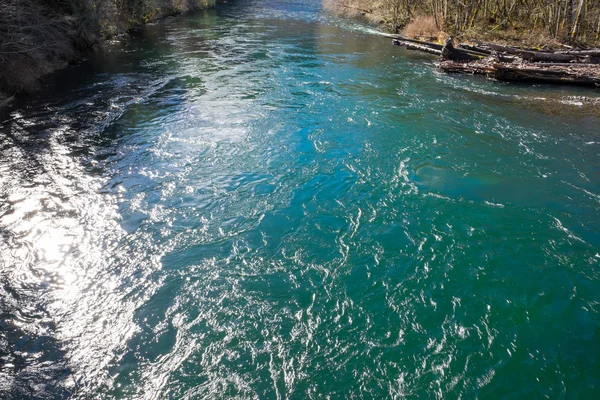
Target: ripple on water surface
264, 201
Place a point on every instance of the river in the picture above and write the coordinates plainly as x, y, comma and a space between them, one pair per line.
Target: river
266, 201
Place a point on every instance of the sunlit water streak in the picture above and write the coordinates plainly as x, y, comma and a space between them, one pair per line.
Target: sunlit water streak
265, 201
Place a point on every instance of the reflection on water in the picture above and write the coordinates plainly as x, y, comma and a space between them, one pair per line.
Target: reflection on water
265, 201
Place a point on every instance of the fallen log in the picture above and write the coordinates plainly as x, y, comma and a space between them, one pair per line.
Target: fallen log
449, 52
466, 68
436, 46
568, 65
486, 52
497, 47
544, 75
515, 65
413, 46
477, 53
475, 48
587, 76
532, 55
538, 56
591, 52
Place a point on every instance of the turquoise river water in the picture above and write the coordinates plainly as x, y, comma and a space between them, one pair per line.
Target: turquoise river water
266, 201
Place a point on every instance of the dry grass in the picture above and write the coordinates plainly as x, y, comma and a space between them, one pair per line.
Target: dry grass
424, 26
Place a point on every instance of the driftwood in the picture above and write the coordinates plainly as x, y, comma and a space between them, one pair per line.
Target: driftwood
576, 65
413, 46
475, 49
487, 52
447, 51
529, 72
435, 46
496, 47
537, 56
591, 53
506, 63
552, 75
532, 55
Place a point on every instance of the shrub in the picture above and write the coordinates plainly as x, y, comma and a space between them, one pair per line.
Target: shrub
422, 26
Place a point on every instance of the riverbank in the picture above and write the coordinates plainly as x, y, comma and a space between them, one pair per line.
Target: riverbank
38, 37
526, 23
512, 64
498, 43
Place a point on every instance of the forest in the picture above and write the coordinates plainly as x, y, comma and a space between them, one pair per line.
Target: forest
575, 22
39, 36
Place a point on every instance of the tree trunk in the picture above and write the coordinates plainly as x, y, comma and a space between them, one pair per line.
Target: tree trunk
569, 18
577, 22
